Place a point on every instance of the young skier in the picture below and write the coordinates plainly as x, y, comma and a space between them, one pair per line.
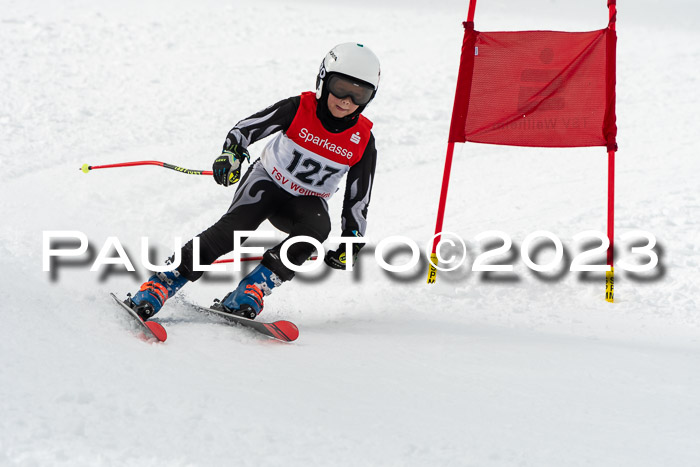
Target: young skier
319, 137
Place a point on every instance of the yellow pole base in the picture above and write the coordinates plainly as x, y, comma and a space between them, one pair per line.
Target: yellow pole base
609, 285
432, 270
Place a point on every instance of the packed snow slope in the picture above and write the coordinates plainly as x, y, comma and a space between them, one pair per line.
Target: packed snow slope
503, 369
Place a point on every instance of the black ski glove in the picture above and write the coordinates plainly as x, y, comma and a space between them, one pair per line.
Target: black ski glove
337, 259
227, 167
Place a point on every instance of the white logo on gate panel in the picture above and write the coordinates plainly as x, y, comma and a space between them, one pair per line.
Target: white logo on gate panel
355, 138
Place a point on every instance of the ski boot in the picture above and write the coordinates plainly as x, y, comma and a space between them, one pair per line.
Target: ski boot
154, 292
247, 299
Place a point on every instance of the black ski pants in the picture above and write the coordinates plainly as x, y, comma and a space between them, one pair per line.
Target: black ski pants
259, 198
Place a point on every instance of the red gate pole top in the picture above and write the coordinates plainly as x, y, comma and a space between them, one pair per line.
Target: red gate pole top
612, 17
472, 8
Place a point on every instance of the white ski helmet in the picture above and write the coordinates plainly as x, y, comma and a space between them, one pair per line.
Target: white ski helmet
351, 60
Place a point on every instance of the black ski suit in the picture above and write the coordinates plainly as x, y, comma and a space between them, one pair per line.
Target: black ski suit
260, 196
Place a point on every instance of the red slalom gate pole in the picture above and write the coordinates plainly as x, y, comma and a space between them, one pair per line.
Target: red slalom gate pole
432, 272
472, 9
432, 269
87, 168
610, 275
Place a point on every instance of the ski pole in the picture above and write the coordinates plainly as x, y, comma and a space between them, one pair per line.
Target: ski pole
231, 260
86, 168
249, 258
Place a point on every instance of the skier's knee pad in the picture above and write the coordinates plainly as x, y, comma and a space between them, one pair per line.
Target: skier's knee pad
319, 229
300, 251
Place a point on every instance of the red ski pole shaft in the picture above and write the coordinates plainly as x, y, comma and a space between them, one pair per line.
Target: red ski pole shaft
249, 258
87, 168
231, 260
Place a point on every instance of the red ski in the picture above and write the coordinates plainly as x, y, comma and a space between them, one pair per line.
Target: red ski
284, 331
151, 329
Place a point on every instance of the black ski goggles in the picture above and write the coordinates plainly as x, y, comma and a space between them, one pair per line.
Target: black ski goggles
359, 92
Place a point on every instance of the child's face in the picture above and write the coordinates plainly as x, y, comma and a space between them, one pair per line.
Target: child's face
340, 108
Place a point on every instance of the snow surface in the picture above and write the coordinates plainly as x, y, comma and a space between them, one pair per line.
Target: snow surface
476, 370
